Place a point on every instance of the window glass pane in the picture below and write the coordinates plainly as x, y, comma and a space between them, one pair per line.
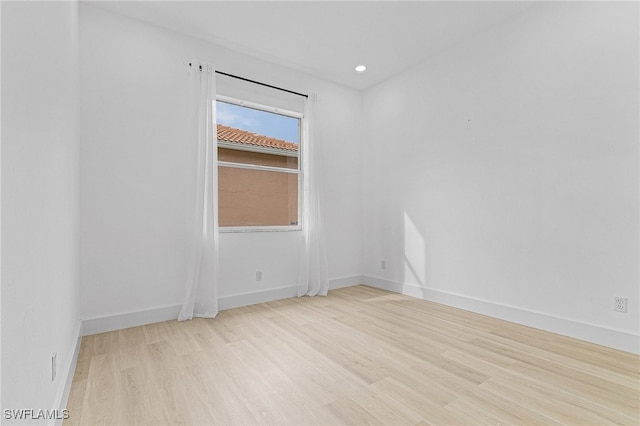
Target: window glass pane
252, 136
272, 125
248, 197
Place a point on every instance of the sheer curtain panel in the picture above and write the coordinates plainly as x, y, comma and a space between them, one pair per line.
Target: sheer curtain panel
201, 293
312, 274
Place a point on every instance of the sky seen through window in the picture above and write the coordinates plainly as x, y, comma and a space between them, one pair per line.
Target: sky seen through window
256, 121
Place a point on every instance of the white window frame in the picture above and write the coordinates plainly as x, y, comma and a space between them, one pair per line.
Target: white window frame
298, 171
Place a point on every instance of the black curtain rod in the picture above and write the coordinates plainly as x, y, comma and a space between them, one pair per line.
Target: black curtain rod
262, 84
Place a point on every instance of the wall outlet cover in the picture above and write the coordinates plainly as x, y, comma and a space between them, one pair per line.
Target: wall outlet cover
620, 304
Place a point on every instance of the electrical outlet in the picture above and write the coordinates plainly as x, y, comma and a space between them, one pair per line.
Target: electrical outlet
258, 275
383, 264
54, 361
620, 304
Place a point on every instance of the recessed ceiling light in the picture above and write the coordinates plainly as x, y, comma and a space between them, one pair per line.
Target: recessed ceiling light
361, 68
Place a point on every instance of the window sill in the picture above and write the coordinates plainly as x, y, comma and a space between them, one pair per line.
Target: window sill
245, 229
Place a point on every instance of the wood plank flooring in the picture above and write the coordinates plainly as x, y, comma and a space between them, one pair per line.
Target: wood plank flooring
357, 356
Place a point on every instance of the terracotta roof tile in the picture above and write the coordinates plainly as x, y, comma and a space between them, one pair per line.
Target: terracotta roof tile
229, 134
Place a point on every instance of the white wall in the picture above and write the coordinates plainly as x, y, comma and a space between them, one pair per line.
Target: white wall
40, 290
502, 175
137, 172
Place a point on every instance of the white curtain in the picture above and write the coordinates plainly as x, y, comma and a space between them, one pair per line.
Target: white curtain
201, 298
312, 274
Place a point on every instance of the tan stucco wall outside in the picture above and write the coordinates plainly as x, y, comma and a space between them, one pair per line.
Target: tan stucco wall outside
256, 197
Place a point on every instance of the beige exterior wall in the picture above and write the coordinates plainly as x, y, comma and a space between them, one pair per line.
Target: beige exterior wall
256, 197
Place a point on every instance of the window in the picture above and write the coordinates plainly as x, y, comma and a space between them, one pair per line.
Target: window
259, 177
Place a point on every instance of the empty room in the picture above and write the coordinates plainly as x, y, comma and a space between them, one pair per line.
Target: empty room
333, 212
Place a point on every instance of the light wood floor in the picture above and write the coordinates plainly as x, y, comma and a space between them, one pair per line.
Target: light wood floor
358, 356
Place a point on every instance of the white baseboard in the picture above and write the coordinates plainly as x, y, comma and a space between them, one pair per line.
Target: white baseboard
166, 313
383, 284
617, 339
129, 319
70, 369
345, 282
246, 299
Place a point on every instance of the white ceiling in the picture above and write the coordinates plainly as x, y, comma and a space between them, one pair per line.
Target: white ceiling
328, 39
